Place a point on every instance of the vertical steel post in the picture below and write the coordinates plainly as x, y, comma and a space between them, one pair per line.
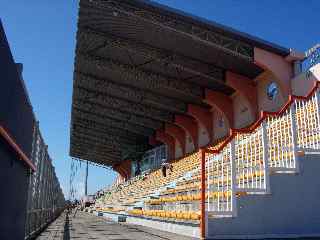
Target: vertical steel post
233, 178
294, 135
203, 195
318, 109
265, 156
86, 181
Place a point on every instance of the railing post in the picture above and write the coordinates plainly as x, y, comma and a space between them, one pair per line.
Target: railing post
294, 135
318, 110
203, 195
233, 178
265, 157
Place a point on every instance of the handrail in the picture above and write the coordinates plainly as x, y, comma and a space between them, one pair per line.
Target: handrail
263, 115
16, 148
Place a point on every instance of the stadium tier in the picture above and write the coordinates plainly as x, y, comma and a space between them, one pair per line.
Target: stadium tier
207, 127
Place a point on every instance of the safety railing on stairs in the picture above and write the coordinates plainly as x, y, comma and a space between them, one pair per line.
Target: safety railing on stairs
243, 162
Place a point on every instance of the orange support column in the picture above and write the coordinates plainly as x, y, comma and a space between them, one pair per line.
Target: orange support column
203, 116
161, 136
203, 195
190, 126
177, 133
221, 102
118, 168
246, 87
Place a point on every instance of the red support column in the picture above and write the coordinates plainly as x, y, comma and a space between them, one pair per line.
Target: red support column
190, 126
178, 133
246, 87
203, 116
153, 141
221, 102
126, 166
118, 168
203, 195
168, 140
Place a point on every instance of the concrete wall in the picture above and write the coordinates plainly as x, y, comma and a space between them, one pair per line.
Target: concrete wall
178, 149
13, 200
264, 103
203, 136
189, 143
303, 83
220, 125
243, 115
292, 209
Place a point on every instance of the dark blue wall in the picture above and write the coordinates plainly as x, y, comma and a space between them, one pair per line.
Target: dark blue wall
16, 116
13, 199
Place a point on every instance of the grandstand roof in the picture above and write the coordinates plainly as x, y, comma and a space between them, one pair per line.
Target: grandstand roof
138, 63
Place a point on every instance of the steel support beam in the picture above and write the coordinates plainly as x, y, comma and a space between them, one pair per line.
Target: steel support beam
99, 99
81, 149
165, 58
101, 137
131, 75
113, 123
136, 95
202, 34
101, 128
99, 114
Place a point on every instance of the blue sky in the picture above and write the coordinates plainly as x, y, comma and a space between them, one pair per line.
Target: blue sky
41, 34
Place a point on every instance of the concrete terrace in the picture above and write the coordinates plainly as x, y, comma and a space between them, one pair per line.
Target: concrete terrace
81, 225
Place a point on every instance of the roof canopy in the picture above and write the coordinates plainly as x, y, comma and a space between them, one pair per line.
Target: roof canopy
138, 64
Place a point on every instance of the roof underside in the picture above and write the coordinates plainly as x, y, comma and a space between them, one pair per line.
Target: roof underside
137, 65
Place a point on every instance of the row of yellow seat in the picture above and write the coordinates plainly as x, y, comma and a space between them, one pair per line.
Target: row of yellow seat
176, 215
189, 197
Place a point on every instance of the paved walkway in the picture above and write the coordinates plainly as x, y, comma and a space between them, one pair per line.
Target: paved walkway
83, 226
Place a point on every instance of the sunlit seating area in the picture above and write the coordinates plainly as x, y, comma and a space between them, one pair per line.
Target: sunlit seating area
239, 168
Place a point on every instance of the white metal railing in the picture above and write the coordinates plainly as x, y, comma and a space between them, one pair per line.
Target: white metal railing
251, 167
243, 163
281, 141
308, 122
220, 192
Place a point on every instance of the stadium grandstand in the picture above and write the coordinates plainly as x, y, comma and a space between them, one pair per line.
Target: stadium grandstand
213, 133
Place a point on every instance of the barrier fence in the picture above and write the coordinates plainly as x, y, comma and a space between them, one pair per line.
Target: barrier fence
45, 197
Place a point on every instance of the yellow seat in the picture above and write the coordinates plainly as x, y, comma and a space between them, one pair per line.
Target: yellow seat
179, 215
185, 197
194, 216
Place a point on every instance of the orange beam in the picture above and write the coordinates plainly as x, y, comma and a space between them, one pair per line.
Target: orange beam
190, 126
221, 102
178, 133
246, 87
203, 116
16, 148
168, 140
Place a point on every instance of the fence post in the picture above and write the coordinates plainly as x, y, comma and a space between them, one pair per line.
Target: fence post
318, 109
294, 134
265, 157
233, 178
203, 195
